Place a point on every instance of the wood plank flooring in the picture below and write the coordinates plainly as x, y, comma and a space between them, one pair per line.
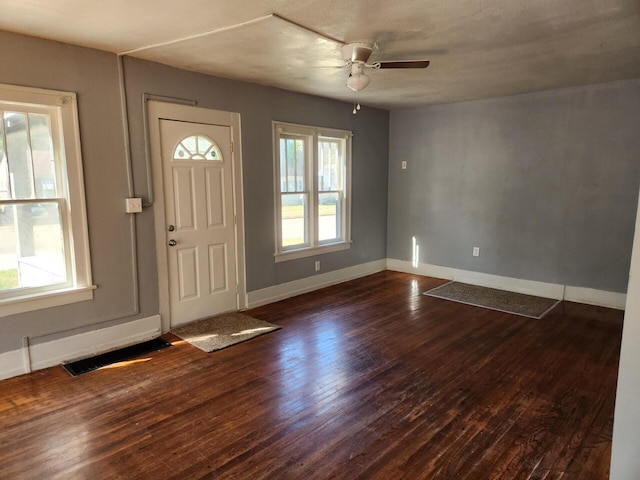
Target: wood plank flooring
366, 380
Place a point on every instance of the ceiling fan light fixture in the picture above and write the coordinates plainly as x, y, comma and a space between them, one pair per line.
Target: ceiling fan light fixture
358, 82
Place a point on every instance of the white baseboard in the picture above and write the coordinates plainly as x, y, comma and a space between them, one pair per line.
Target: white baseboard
548, 290
42, 354
600, 298
309, 284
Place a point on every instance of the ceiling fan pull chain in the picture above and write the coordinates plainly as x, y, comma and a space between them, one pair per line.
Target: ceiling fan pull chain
356, 103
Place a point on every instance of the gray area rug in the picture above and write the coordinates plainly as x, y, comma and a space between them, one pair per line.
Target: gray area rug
222, 330
501, 300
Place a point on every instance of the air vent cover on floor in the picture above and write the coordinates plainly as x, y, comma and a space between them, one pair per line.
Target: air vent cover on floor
122, 354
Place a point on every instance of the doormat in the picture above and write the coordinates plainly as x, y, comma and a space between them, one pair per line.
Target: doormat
93, 363
222, 331
494, 299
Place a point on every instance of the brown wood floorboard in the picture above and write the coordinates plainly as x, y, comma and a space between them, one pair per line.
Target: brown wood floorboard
368, 379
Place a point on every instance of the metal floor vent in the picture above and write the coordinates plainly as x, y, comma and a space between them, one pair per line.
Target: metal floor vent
120, 355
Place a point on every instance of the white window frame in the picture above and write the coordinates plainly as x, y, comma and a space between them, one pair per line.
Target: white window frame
62, 106
311, 135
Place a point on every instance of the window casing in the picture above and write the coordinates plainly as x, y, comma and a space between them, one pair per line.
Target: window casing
44, 252
313, 197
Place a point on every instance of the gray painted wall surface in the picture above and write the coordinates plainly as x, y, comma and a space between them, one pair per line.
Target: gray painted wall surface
258, 107
93, 75
546, 184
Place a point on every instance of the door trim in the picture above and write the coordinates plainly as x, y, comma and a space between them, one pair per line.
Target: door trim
156, 111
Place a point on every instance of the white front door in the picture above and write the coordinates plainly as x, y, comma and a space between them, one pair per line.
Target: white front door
199, 216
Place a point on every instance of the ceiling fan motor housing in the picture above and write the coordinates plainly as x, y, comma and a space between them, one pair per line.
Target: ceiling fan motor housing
358, 52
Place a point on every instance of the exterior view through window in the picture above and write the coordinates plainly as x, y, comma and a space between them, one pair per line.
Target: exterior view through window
33, 250
313, 166
39, 249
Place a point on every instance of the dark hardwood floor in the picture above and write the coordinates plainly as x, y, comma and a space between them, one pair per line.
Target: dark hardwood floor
366, 380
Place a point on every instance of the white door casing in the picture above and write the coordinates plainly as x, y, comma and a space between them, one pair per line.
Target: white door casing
203, 272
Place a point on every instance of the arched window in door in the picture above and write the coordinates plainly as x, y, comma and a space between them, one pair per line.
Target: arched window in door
197, 147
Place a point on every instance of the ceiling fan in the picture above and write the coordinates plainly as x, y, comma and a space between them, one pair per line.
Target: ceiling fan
356, 55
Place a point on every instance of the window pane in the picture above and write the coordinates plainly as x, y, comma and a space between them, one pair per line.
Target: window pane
42, 152
329, 165
328, 216
283, 165
294, 219
203, 145
190, 144
291, 168
181, 153
31, 246
20, 165
197, 147
299, 166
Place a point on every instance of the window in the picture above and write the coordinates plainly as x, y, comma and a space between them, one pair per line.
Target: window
312, 171
197, 147
44, 253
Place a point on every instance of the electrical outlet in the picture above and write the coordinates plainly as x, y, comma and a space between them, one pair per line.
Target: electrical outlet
404, 164
317, 265
476, 251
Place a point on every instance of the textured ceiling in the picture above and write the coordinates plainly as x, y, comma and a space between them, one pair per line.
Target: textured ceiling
477, 48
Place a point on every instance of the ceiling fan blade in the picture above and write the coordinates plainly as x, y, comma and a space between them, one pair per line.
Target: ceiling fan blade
407, 64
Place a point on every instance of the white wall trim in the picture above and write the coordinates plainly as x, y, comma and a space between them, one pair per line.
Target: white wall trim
548, 290
275, 293
600, 298
43, 354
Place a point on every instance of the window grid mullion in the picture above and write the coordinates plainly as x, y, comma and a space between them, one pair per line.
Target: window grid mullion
313, 208
6, 153
61, 196
66, 240
291, 174
30, 153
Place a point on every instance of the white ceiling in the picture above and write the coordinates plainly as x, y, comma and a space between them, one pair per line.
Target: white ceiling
477, 48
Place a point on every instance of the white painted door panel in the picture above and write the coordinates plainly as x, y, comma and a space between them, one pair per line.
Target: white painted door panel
198, 179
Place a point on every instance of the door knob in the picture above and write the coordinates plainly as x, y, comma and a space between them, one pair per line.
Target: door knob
172, 243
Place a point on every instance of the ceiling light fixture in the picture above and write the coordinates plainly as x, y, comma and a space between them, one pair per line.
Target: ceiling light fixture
357, 80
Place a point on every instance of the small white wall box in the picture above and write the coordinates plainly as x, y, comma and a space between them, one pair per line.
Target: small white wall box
134, 205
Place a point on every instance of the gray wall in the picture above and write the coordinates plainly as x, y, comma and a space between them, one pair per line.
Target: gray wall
546, 184
258, 106
93, 75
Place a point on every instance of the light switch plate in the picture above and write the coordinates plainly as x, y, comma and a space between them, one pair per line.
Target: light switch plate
134, 205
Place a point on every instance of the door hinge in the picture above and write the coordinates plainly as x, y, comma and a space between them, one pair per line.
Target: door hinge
235, 219
231, 147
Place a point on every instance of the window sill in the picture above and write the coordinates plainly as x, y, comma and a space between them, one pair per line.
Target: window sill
310, 252
39, 301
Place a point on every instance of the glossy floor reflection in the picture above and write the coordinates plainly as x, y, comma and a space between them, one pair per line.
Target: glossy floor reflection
369, 379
